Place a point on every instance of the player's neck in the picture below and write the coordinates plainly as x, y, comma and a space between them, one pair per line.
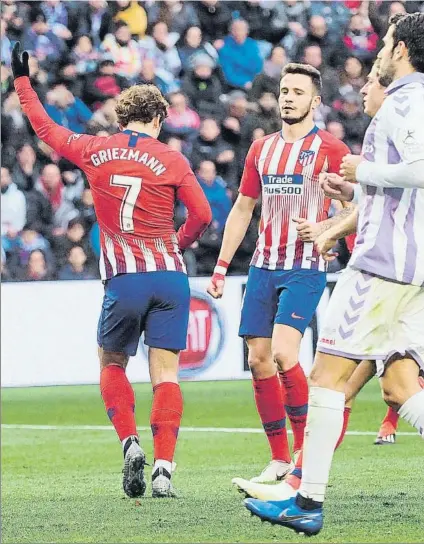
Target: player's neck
142, 128
404, 70
291, 133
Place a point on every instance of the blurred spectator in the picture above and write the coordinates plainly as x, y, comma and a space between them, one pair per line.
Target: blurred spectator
68, 75
160, 47
6, 45
260, 20
206, 250
268, 116
123, 50
336, 129
335, 15
312, 55
38, 78
75, 235
93, 18
16, 15
318, 35
192, 46
5, 272
85, 55
66, 109
240, 57
37, 268
28, 241
13, 206
210, 146
238, 126
268, 81
379, 15
215, 19
148, 75
6, 80
182, 121
77, 268
105, 119
351, 116
291, 16
56, 14
86, 211
26, 169
216, 192
176, 14
103, 84
360, 39
39, 40
203, 87
50, 184
17, 124
352, 77
134, 15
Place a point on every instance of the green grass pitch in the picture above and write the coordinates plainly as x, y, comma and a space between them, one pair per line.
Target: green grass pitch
63, 485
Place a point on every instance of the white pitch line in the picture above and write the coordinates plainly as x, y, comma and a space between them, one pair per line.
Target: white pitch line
231, 430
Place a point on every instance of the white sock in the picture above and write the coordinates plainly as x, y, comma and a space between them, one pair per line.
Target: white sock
412, 411
167, 465
323, 427
125, 439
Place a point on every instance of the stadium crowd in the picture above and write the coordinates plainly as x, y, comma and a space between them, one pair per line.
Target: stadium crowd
219, 65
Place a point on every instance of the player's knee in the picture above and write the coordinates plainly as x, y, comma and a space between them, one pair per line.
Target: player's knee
108, 358
284, 359
261, 365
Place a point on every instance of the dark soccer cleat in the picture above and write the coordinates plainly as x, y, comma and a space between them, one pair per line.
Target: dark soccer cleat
133, 482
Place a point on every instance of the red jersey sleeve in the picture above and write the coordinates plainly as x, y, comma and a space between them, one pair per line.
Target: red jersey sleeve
65, 142
250, 184
335, 156
199, 213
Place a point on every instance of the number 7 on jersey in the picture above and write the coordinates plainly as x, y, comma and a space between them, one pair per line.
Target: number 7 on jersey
133, 188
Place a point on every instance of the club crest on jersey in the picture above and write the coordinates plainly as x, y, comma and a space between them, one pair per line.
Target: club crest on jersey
306, 157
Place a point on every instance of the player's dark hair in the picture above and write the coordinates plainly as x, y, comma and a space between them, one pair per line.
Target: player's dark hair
410, 29
141, 103
306, 70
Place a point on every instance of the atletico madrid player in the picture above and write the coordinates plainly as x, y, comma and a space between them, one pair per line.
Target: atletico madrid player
135, 181
287, 275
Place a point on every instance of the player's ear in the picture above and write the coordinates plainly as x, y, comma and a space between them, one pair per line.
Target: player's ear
316, 102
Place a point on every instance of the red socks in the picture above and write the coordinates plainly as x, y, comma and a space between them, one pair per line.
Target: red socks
270, 405
296, 390
391, 417
165, 419
119, 400
346, 416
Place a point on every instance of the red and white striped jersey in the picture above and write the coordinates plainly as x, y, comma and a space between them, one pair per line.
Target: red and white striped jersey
287, 176
135, 181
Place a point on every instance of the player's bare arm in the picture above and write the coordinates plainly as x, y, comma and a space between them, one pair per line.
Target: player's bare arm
235, 230
327, 239
337, 187
309, 231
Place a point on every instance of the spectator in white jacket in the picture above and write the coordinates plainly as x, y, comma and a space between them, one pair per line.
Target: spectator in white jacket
13, 206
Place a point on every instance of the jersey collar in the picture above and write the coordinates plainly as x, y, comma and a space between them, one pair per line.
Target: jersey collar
313, 131
135, 133
415, 77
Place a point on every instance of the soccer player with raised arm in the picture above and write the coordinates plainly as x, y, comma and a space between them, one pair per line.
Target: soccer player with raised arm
377, 308
286, 276
135, 181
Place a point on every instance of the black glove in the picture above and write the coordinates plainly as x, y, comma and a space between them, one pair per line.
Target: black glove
19, 65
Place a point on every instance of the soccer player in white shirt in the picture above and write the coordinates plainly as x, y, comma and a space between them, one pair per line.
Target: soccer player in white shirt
377, 308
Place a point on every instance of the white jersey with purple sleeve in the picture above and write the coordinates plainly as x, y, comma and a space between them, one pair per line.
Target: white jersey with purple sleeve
390, 240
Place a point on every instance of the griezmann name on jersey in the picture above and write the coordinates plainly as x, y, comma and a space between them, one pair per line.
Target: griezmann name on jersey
286, 174
135, 181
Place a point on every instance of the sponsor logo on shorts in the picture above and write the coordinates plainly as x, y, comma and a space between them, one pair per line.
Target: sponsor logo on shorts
329, 341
